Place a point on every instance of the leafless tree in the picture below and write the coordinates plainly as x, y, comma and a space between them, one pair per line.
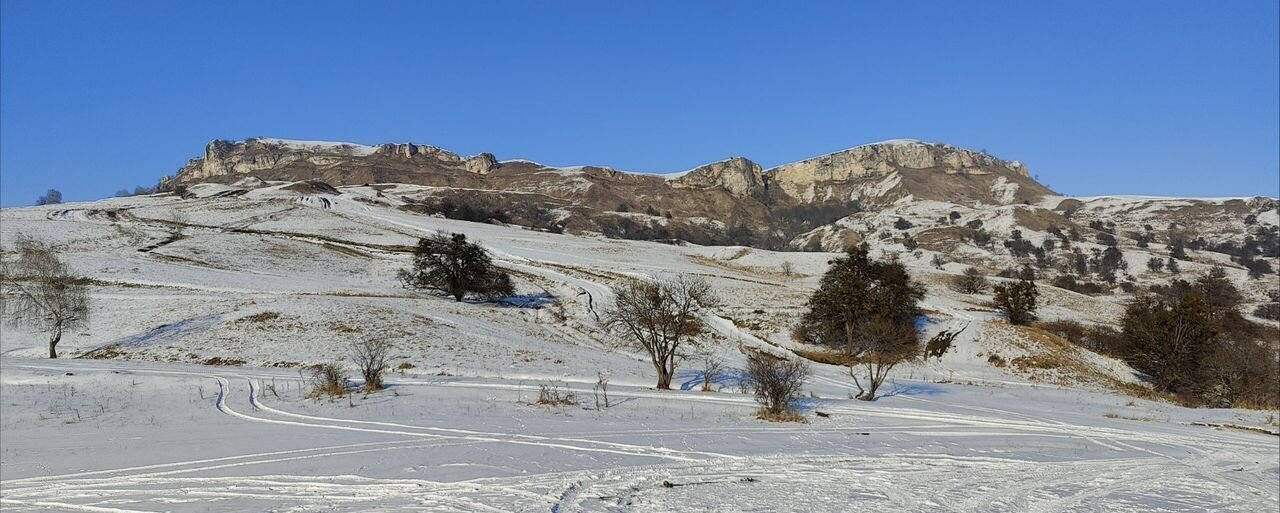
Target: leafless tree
660, 317
602, 388
40, 292
775, 381
788, 268
370, 355
885, 344
712, 368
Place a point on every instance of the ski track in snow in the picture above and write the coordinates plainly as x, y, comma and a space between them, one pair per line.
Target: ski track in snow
954, 483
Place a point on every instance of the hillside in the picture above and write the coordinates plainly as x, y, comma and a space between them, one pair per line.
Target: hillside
207, 305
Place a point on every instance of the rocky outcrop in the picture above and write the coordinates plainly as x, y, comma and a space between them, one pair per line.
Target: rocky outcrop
799, 179
480, 164
287, 159
739, 176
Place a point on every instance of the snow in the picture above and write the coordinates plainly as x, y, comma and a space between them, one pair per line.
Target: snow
279, 284
359, 150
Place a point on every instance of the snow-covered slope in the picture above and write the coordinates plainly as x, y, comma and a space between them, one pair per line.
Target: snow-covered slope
205, 309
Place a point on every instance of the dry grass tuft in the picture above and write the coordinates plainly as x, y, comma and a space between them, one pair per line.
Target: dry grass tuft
327, 379
783, 416
103, 353
261, 317
551, 395
825, 356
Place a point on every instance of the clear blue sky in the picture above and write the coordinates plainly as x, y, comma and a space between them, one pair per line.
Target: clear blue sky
1152, 97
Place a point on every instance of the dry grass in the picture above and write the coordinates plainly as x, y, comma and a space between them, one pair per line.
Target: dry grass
784, 416
327, 379
1054, 359
1238, 427
223, 362
997, 361
1146, 418
825, 356
339, 327
261, 317
1038, 361
103, 353
551, 395
745, 269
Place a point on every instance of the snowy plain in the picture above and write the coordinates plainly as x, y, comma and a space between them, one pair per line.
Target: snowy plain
154, 428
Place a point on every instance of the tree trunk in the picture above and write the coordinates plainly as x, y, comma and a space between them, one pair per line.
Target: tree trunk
871, 389
53, 343
664, 379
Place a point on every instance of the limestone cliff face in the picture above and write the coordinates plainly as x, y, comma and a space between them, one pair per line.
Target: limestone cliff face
223, 160
739, 176
870, 161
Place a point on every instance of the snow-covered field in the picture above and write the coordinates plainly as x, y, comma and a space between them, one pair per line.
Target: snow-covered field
273, 280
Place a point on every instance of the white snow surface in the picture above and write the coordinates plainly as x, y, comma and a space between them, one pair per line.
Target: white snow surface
274, 279
359, 150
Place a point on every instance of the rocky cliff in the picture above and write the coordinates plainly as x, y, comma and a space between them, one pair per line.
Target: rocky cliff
732, 200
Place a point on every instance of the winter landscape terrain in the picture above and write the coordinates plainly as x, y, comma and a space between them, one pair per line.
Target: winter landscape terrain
188, 391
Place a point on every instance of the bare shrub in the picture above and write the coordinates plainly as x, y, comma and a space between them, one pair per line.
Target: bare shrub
660, 318
370, 355
776, 382
550, 394
601, 390
885, 345
1099, 339
328, 379
40, 292
788, 269
941, 343
712, 369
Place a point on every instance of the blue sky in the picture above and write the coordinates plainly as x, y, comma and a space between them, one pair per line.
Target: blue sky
1135, 97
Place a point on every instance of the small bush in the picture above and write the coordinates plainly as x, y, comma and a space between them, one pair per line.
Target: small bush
328, 379
1268, 311
970, 282
776, 382
1069, 282
1017, 301
996, 361
549, 394
371, 356
1099, 339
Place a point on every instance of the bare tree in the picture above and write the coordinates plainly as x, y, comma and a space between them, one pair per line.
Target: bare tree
601, 388
370, 355
41, 293
885, 344
776, 382
712, 368
660, 317
788, 268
